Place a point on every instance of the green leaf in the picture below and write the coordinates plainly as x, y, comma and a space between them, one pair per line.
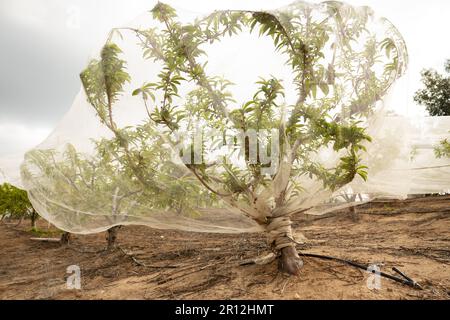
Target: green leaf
325, 88
363, 174
314, 90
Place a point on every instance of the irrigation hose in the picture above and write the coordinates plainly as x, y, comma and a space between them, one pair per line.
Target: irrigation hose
404, 280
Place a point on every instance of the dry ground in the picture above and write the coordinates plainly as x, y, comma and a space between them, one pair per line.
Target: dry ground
412, 235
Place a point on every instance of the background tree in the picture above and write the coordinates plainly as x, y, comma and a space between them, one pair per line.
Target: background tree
104, 183
76, 181
436, 98
436, 94
14, 203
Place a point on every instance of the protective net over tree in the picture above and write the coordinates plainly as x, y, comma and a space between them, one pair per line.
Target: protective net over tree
233, 122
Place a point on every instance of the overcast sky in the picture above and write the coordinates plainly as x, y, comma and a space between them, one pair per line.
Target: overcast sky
44, 44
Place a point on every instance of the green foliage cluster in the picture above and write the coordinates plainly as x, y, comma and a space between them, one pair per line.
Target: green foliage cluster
436, 94
443, 150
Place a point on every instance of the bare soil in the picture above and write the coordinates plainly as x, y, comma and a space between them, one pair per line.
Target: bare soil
412, 235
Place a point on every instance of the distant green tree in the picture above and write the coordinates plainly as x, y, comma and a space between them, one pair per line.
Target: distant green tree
436, 94
14, 203
436, 98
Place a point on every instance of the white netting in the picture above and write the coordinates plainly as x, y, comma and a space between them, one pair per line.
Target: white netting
234, 121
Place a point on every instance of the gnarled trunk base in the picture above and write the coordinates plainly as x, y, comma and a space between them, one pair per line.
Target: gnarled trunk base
289, 261
282, 241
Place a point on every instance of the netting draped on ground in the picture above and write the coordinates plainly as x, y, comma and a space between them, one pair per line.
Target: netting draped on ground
233, 121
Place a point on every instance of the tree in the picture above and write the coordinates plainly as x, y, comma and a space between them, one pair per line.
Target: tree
436, 98
14, 203
76, 181
340, 69
88, 184
436, 94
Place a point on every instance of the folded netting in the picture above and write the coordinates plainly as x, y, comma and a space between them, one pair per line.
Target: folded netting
233, 122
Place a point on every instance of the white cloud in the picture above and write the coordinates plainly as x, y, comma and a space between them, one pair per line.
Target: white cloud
30, 13
17, 138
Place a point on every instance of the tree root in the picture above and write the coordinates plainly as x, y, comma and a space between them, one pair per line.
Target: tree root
259, 260
289, 261
142, 264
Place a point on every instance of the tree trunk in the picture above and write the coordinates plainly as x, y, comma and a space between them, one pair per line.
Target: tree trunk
65, 238
111, 237
33, 219
353, 214
281, 239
